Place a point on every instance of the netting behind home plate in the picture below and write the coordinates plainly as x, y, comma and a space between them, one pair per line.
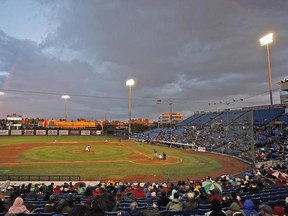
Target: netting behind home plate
231, 132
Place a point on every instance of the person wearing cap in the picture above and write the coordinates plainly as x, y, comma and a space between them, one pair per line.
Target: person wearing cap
266, 210
234, 207
51, 205
190, 204
151, 210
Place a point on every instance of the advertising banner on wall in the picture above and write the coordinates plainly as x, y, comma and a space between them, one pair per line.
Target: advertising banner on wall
95, 132
40, 132
63, 132
85, 132
74, 132
52, 132
4, 132
201, 149
16, 132
28, 132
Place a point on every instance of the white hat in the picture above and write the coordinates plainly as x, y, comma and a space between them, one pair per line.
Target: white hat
190, 195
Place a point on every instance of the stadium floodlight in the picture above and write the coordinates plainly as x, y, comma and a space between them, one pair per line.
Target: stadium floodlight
266, 40
129, 83
1, 93
65, 97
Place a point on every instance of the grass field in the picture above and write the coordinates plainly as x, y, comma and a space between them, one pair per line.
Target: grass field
65, 155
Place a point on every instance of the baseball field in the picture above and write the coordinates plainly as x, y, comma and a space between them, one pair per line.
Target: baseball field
108, 159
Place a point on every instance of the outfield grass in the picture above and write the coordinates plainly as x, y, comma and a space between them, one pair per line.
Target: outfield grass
104, 161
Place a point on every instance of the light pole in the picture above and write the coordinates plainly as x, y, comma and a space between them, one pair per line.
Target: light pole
130, 83
170, 102
1, 93
266, 40
65, 97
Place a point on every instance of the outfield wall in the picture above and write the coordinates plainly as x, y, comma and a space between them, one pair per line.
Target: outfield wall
49, 132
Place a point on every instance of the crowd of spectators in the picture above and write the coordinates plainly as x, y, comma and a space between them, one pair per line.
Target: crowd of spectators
151, 198
270, 142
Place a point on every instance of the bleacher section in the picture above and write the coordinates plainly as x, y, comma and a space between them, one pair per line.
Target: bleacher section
265, 116
260, 117
204, 119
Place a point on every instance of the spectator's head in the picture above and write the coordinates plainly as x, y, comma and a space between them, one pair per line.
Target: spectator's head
235, 207
266, 210
190, 195
248, 204
216, 205
214, 191
176, 195
133, 205
163, 193
278, 210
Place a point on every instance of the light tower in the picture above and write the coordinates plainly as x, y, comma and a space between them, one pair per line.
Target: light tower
266, 40
130, 83
65, 97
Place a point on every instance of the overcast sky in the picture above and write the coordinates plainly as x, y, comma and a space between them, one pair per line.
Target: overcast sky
203, 55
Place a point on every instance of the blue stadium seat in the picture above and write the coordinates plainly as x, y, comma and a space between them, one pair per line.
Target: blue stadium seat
114, 213
174, 213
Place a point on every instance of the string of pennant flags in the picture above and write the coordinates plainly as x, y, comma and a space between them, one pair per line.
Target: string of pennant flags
226, 102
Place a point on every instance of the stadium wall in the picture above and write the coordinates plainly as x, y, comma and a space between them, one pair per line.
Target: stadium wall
49, 132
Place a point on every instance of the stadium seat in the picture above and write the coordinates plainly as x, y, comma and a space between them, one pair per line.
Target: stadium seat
46, 214
188, 213
163, 212
31, 214
114, 213
174, 213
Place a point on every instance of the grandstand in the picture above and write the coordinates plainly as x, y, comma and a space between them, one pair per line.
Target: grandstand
261, 116
231, 132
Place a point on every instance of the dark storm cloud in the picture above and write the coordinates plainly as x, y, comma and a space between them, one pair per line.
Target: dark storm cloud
195, 52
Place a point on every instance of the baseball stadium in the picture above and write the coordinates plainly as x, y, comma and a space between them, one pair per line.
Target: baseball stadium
235, 156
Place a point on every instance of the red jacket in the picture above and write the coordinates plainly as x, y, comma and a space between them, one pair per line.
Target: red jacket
138, 193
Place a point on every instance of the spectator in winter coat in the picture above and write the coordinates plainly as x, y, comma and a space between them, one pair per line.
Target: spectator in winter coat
175, 204
190, 204
18, 207
234, 207
163, 200
249, 208
216, 209
151, 210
